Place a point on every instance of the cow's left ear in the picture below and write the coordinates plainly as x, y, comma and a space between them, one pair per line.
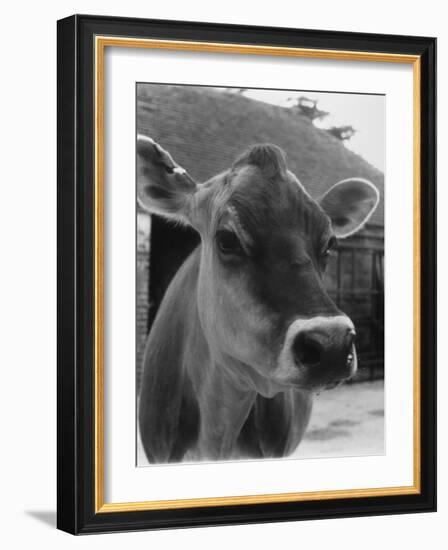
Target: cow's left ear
349, 204
163, 187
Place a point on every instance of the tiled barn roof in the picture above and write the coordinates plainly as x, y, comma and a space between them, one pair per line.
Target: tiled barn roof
205, 130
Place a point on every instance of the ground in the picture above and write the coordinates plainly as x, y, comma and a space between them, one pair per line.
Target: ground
346, 421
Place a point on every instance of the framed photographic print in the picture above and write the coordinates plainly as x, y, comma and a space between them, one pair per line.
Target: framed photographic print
246, 274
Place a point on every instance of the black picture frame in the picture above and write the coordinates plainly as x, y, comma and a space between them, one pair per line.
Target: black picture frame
76, 512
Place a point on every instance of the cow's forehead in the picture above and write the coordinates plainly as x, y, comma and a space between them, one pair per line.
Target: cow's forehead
271, 205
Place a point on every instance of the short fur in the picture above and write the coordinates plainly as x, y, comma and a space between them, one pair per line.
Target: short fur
220, 378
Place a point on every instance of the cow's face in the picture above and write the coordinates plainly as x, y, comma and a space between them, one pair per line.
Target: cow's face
265, 243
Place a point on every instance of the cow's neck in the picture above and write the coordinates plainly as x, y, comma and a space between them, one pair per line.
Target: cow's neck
226, 389
225, 406
224, 399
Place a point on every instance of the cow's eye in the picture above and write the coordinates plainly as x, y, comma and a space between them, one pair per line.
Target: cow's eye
228, 243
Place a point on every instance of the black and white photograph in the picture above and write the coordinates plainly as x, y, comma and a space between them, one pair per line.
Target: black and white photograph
220, 303
260, 274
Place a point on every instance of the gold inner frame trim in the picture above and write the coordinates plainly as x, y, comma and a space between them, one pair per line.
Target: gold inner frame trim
101, 42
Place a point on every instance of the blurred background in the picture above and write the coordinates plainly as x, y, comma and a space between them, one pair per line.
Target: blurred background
327, 137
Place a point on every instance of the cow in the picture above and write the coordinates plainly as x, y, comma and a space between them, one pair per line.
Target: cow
246, 333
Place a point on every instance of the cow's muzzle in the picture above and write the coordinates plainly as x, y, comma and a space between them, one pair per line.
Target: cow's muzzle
322, 350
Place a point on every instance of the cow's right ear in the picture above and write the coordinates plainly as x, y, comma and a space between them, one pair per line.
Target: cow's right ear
349, 204
163, 187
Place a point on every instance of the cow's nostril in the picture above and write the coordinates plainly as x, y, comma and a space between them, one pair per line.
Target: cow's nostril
350, 358
306, 350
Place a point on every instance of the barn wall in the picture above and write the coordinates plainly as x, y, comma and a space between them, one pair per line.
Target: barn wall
357, 286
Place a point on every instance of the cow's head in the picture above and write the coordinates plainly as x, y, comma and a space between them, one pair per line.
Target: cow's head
265, 244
